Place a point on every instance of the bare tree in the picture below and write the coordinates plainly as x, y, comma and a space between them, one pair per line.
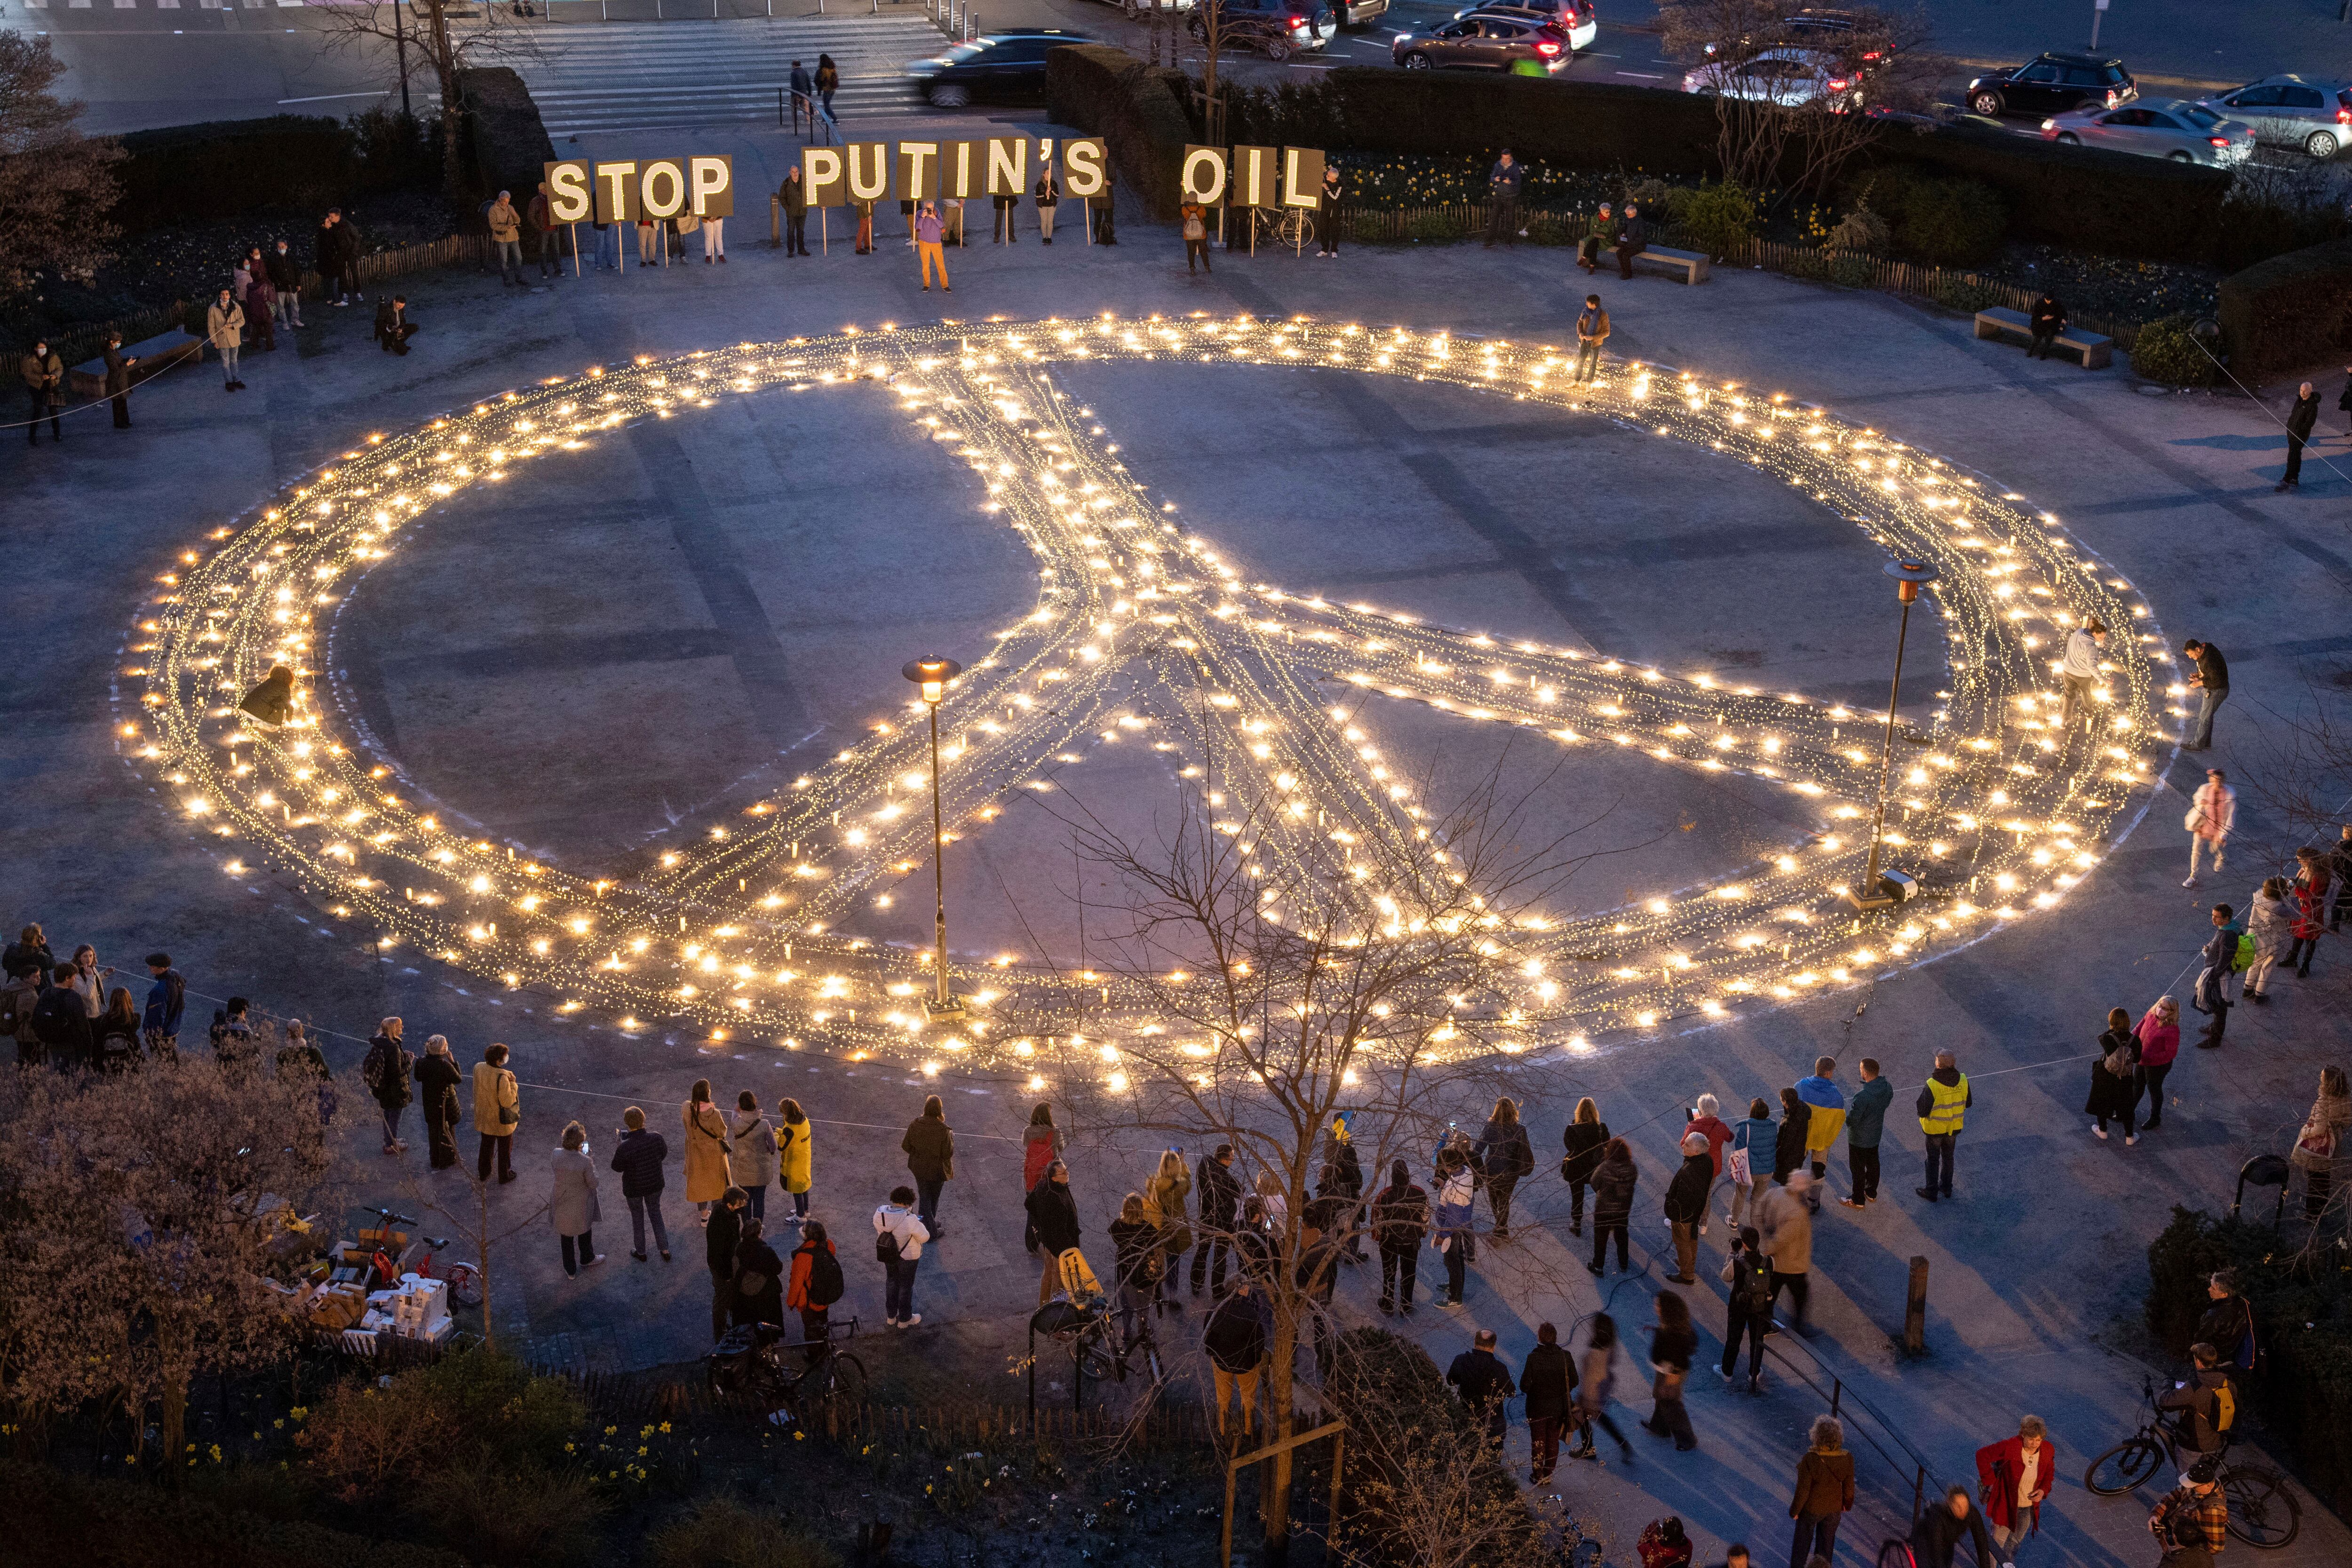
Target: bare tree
470, 1217
146, 1221
56, 185
1294, 978
452, 39
1796, 101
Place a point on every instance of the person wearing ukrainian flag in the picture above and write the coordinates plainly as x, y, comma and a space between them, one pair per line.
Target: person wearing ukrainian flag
1826, 1102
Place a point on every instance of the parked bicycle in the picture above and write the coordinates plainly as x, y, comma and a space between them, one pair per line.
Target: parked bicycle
1097, 1350
799, 1381
464, 1279
2263, 1513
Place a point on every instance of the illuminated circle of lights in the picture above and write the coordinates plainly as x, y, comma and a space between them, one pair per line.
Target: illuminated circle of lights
738, 935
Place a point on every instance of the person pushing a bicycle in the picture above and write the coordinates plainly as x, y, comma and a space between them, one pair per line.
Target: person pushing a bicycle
1938, 1534
2192, 1523
2207, 1404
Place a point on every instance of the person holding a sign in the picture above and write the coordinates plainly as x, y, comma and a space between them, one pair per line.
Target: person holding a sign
1048, 195
796, 199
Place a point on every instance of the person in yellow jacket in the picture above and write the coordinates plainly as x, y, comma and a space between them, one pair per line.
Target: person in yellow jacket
794, 1164
1943, 1107
497, 1111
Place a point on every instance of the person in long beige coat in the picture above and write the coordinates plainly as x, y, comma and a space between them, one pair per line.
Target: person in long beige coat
753, 1161
707, 1148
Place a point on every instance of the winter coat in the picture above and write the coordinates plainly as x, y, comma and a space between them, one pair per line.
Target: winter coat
118, 370
1786, 1222
29, 958
706, 1151
285, 272
1755, 1137
638, 1157
392, 1090
2000, 1469
1503, 1149
751, 1163
1235, 1339
796, 1294
1502, 181
437, 1078
1454, 1211
1824, 1484
1612, 1191
45, 375
1686, 1194
2309, 923
756, 1263
572, 1207
498, 1104
795, 1159
506, 224
1221, 1193
2330, 1114
225, 328
1865, 1114
1789, 1148
2213, 810
906, 1225
1583, 1141
1548, 1378
929, 1148
2159, 1042
1400, 1217
1163, 1203
2111, 1095
1039, 1147
2302, 416
1483, 1382
1053, 1214
1717, 1134
1599, 1367
2268, 921
1133, 1245
720, 1235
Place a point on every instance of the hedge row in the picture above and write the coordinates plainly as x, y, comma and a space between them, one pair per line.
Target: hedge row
202, 174
2288, 312
2303, 1322
1109, 93
60, 1519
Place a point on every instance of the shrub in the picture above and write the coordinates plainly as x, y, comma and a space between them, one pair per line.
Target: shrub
1650, 191
2086, 198
1959, 294
201, 173
1942, 221
1110, 94
513, 1518
724, 1533
2288, 311
2165, 352
1853, 271
1433, 226
1861, 229
471, 1411
56, 1518
1813, 266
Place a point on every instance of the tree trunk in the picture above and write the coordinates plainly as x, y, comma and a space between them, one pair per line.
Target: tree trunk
482, 1192
175, 1422
1276, 1510
454, 183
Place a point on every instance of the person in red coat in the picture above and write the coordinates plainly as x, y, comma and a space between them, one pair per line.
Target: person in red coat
2012, 1477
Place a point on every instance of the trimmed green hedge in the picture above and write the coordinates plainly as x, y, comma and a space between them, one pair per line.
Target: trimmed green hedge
2302, 1322
57, 1518
2284, 312
1109, 93
202, 174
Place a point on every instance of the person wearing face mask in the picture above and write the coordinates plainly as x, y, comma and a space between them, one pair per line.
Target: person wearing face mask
286, 278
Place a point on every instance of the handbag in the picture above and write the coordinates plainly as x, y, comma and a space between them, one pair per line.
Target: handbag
2316, 1141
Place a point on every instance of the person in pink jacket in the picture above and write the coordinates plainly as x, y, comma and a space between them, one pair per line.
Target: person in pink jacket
2159, 1043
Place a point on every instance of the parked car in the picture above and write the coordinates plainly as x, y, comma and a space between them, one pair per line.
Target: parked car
1356, 13
993, 65
1834, 32
2054, 84
1278, 27
2292, 111
1484, 42
1792, 78
2156, 127
1137, 10
1579, 19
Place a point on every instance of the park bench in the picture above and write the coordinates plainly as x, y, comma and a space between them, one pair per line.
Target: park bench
86, 382
2097, 353
1692, 263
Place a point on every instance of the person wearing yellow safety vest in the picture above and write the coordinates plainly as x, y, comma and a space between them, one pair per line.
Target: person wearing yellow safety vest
1943, 1106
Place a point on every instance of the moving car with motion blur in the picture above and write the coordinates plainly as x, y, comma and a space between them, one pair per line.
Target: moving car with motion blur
2052, 84
1483, 41
1277, 28
1579, 20
2292, 111
1791, 77
2156, 127
994, 67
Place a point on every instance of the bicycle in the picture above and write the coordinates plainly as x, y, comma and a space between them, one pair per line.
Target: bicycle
1088, 1333
464, 1280
1271, 225
2263, 1513
833, 1379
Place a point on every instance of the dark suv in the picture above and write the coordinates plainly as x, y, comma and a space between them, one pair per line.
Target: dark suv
2054, 84
1278, 27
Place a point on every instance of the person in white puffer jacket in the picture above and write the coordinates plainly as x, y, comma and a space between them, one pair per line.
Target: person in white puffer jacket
899, 1237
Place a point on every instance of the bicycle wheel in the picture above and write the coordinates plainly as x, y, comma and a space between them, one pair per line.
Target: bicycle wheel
464, 1285
2263, 1511
1895, 1554
844, 1382
1094, 1361
2123, 1466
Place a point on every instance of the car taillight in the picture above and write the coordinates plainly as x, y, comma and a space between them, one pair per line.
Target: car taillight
1546, 49
2111, 98
2344, 117
2217, 140
1837, 84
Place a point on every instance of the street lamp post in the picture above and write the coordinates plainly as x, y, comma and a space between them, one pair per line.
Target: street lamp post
1879, 891
930, 677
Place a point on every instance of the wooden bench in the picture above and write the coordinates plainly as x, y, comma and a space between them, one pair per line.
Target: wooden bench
1690, 263
87, 380
2097, 353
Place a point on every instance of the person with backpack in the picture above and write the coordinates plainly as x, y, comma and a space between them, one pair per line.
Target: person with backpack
1041, 1143
759, 1278
815, 1286
2226, 954
1194, 220
115, 1035
638, 1158
1613, 1205
706, 1151
2115, 1078
751, 1151
60, 1021
899, 1237
723, 1231
385, 1070
497, 1111
1685, 1204
1053, 1216
1504, 1153
2207, 1401
795, 1164
167, 1000
18, 1000
2192, 1523
571, 1204
2013, 1477
1400, 1219
929, 1148
1547, 1379
437, 1078
1749, 1311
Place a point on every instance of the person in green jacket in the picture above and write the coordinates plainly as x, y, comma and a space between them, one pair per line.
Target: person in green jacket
1600, 236
1865, 1124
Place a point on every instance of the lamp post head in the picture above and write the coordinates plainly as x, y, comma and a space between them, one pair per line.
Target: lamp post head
1908, 575
931, 675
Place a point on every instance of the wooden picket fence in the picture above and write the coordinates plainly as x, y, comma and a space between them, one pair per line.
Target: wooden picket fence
1469, 219
81, 344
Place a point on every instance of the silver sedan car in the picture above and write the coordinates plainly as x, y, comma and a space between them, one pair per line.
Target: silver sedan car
2292, 111
2156, 127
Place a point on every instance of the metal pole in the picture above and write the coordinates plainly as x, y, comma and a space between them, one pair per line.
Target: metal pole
1886, 756
400, 46
939, 867
2097, 10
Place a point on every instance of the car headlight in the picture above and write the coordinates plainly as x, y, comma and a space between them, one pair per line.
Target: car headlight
2049, 125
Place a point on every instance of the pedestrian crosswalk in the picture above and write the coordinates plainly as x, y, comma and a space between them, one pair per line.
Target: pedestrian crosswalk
629, 77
